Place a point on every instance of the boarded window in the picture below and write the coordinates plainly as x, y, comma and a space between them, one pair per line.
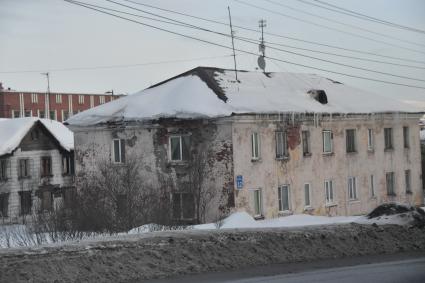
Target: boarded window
179, 147
284, 198
24, 168
4, 205
183, 206
407, 180
390, 182
119, 150
388, 135
306, 143
329, 191
406, 137
351, 140
46, 166
307, 196
327, 141
255, 146
352, 188
26, 202
281, 145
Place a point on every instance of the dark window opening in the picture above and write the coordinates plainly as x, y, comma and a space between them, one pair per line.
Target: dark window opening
4, 205
319, 95
68, 164
3, 169
306, 142
390, 182
24, 168
180, 146
119, 151
46, 166
351, 140
388, 133
26, 202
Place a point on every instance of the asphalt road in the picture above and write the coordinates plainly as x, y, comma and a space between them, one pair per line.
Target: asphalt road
383, 268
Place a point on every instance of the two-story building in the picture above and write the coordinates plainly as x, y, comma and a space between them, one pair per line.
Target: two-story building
275, 143
36, 166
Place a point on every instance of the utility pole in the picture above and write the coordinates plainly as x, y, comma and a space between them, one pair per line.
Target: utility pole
232, 34
262, 47
47, 114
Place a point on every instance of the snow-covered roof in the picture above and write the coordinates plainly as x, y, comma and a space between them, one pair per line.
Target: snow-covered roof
212, 92
12, 131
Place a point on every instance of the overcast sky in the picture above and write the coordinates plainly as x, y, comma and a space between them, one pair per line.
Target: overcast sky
50, 35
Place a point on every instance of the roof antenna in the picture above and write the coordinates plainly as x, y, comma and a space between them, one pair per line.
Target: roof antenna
262, 47
232, 34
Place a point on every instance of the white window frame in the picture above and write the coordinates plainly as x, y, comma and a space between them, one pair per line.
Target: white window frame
255, 146
370, 139
408, 181
102, 99
392, 183
406, 138
58, 98
260, 204
170, 153
307, 185
329, 192
80, 99
352, 188
280, 200
34, 98
306, 142
372, 186
389, 146
325, 134
120, 155
281, 146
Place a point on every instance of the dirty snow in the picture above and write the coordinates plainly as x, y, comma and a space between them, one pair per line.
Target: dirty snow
190, 97
12, 131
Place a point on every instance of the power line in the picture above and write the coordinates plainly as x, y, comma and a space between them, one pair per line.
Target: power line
361, 16
329, 28
342, 23
278, 35
252, 41
243, 51
116, 66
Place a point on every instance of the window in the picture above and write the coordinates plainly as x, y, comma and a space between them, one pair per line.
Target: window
284, 198
16, 114
67, 165
52, 115
390, 183
46, 166
26, 202
3, 169
101, 99
24, 168
307, 195
372, 186
119, 150
406, 137
352, 188
65, 115
255, 146
370, 141
46, 201
350, 140
327, 141
407, 180
42, 114
28, 113
81, 99
329, 191
281, 145
179, 148
258, 202
388, 134
34, 98
4, 205
306, 142
58, 98
183, 206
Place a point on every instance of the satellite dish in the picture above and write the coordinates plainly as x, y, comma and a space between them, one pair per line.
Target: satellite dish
261, 63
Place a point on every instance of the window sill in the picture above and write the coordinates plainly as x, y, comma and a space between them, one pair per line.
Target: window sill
255, 159
178, 162
307, 154
371, 151
409, 193
353, 201
332, 204
392, 195
259, 217
351, 152
373, 198
46, 176
308, 208
388, 149
285, 213
24, 177
283, 158
327, 153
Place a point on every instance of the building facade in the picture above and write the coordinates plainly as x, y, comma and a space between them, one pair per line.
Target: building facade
262, 157
54, 106
36, 168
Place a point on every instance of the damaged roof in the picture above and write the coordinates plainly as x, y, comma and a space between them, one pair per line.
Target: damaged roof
14, 130
206, 92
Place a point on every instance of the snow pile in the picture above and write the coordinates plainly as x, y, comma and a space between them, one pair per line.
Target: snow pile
14, 130
209, 92
395, 213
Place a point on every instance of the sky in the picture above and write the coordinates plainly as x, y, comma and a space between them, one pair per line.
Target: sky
86, 51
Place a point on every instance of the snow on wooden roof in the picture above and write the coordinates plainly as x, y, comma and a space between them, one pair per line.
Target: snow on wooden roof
12, 131
212, 92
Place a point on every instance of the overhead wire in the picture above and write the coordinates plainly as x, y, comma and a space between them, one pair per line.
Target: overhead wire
243, 51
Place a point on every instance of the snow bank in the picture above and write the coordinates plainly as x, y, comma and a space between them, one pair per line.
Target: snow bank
12, 131
209, 92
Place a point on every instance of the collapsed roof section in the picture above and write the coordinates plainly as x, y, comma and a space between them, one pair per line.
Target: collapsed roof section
212, 92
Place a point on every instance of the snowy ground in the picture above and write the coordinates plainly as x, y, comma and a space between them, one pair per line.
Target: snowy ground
18, 236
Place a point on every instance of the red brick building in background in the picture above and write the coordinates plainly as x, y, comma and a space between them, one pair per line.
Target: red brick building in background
53, 105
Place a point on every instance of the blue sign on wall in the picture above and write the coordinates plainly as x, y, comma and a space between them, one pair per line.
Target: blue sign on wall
239, 182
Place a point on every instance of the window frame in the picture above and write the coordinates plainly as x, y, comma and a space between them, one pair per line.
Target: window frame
388, 139
282, 150
101, 99
390, 183
80, 99
281, 199
305, 136
257, 192
329, 192
255, 146
43, 173
25, 202
3, 170
372, 186
121, 151
307, 205
34, 98
370, 139
68, 166
327, 133
4, 205
27, 168
408, 181
58, 98
350, 141
406, 138
352, 189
